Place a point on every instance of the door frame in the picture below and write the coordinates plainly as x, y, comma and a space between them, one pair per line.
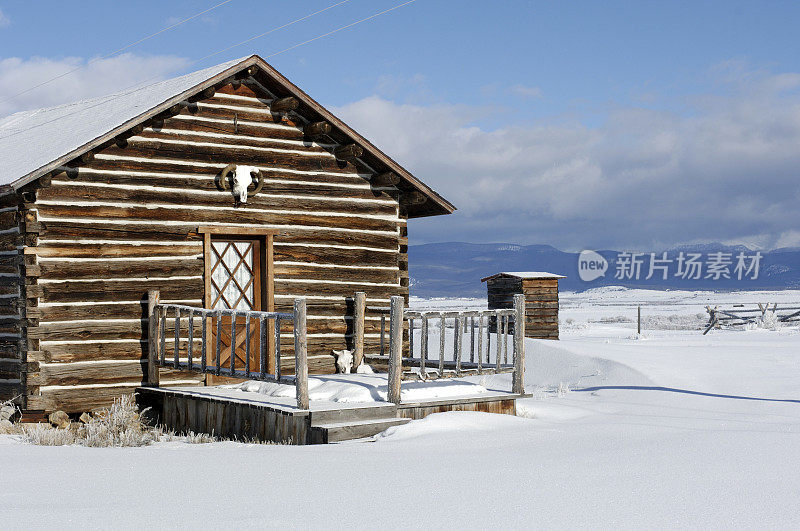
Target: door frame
266, 237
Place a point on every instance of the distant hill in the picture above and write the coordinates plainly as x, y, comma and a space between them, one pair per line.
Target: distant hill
455, 269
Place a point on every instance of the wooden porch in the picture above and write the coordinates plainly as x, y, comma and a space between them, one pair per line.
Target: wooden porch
254, 417
287, 413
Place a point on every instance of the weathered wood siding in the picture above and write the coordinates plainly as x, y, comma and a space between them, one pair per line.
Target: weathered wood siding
12, 361
541, 302
126, 225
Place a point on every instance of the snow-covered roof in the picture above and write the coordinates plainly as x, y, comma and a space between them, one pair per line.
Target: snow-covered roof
525, 275
31, 140
34, 143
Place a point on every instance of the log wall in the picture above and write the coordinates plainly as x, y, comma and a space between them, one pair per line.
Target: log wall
127, 224
13, 367
541, 302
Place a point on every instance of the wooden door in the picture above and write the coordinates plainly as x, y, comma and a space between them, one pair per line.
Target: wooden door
236, 272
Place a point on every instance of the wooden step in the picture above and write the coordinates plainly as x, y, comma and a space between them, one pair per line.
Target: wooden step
346, 431
380, 410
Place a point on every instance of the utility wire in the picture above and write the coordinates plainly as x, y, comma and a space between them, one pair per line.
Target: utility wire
268, 32
340, 29
133, 88
131, 45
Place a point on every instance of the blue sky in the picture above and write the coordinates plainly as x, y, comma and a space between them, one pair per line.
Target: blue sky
580, 124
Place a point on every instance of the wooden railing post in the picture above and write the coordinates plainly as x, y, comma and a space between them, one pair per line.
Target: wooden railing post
153, 297
359, 311
300, 353
395, 349
518, 385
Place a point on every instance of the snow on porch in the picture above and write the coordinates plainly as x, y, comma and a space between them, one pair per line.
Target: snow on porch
358, 389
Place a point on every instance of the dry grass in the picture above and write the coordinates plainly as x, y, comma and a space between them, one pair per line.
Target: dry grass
117, 426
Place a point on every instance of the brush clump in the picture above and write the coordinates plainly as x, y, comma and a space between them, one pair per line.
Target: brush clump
120, 425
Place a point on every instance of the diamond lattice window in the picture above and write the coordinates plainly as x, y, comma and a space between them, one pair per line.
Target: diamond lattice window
232, 275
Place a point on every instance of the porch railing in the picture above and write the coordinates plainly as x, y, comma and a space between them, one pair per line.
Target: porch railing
166, 326
475, 355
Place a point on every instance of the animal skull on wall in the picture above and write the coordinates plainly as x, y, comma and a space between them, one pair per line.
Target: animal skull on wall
241, 178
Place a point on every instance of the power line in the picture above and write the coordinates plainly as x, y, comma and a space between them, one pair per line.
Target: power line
133, 88
268, 32
115, 52
340, 29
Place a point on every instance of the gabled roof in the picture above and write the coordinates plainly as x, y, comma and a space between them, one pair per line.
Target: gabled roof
524, 275
35, 143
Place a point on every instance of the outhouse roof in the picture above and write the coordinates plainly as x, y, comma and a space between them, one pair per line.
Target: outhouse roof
524, 275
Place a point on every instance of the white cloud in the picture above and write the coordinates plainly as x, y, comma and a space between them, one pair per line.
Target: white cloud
96, 79
726, 170
4, 20
525, 91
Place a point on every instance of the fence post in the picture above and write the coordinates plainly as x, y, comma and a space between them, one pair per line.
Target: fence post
518, 385
300, 353
395, 349
639, 320
359, 310
153, 297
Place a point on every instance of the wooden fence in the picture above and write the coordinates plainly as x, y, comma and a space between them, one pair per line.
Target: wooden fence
740, 315
171, 316
509, 326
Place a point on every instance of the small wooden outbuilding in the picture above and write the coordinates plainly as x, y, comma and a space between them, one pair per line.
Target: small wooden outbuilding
541, 299
105, 199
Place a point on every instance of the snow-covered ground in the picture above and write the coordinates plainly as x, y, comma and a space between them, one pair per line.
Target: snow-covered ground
667, 429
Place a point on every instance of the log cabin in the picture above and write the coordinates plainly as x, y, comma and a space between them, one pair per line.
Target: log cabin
105, 199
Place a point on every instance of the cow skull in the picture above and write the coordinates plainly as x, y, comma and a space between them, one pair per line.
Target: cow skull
241, 178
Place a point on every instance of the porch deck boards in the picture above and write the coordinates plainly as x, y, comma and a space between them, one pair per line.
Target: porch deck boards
244, 415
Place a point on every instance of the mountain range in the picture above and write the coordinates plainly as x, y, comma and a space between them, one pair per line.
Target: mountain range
455, 269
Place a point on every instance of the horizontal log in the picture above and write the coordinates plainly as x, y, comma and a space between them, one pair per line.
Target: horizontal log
532, 292
74, 312
101, 373
169, 161
548, 312
540, 283
193, 217
284, 157
10, 240
84, 351
143, 231
77, 400
301, 184
339, 274
169, 137
530, 299
9, 286
8, 220
330, 255
9, 390
180, 198
9, 264
345, 289
112, 290
137, 350
108, 250
203, 121
540, 305
124, 269
293, 253
9, 198
318, 309
95, 330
